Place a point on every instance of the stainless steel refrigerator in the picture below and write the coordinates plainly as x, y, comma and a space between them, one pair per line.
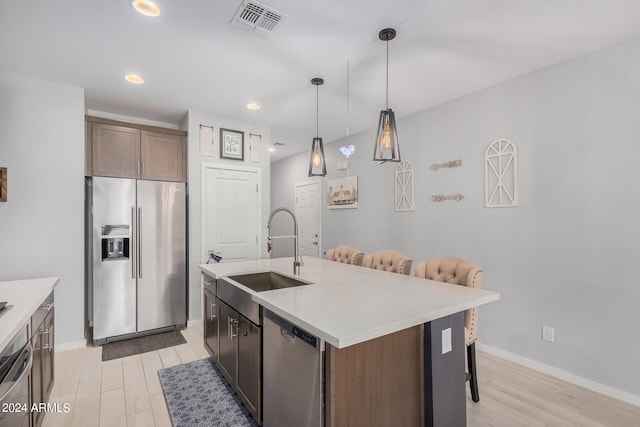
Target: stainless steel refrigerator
138, 263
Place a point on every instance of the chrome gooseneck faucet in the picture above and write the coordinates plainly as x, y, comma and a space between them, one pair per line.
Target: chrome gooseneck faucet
296, 253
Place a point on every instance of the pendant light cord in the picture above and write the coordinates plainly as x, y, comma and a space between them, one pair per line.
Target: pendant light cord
317, 104
387, 74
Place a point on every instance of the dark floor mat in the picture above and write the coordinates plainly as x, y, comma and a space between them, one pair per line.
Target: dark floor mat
118, 349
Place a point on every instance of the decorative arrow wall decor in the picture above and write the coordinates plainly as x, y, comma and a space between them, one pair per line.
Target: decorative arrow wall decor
442, 197
450, 164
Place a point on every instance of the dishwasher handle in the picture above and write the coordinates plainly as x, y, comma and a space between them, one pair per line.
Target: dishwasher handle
288, 335
19, 370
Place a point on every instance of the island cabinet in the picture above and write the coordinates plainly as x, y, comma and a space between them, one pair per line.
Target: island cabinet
240, 356
42, 369
375, 383
235, 344
211, 324
124, 150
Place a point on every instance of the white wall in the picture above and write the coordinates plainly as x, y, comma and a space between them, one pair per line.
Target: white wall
192, 123
41, 224
567, 256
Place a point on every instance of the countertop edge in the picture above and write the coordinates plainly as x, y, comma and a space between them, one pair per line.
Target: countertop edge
43, 287
371, 333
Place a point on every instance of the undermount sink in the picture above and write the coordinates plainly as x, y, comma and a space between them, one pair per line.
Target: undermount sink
240, 300
268, 281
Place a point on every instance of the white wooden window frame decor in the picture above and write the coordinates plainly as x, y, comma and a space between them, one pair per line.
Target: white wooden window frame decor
501, 174
404, 187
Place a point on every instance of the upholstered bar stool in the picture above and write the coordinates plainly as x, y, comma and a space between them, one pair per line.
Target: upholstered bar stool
459, 272
389, 260
346, 254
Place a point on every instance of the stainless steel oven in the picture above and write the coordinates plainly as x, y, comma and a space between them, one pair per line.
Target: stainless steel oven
15, 365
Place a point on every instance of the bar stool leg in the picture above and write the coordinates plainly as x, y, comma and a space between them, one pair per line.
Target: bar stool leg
473, 379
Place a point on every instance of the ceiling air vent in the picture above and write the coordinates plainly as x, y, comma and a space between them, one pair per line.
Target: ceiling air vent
258, 18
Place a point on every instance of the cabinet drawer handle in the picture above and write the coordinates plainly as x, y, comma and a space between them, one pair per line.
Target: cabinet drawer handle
231, 322
213, 311
48, 333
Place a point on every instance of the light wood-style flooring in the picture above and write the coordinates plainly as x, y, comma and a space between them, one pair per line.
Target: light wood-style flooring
127, 392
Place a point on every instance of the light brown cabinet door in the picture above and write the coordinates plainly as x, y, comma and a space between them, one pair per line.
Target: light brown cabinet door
48, 363
249, 367
211, 324
228, 341
163, 156
43, 367
37, 394
115, 151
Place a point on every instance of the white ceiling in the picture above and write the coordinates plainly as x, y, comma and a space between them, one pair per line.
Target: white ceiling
193, 58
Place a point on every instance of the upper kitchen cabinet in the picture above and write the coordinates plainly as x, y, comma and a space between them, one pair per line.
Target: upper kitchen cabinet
125, 150
115, 151
163, 156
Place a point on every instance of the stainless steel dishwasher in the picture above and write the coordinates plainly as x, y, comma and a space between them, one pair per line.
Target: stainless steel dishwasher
292, 375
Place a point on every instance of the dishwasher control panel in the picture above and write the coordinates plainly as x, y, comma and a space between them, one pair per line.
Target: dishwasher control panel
292, 329
304, 336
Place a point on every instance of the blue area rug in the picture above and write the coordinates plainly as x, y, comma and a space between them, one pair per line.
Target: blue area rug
198, 396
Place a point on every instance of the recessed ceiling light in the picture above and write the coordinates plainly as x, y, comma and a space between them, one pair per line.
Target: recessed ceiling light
134, 79
253, 106
271, 149
146, 7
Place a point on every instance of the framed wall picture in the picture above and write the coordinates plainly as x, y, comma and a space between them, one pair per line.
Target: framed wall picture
342, 193
3, 184
231, 144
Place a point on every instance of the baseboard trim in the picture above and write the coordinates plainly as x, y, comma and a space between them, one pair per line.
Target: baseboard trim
597, 387
195, 322
74, 345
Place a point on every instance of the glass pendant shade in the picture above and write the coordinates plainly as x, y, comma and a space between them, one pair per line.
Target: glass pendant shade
317, 165
387, 148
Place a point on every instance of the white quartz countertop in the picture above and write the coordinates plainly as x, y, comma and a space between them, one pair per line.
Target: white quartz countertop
23, 299
347, 304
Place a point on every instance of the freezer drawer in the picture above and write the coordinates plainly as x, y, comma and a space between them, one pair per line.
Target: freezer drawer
292, 375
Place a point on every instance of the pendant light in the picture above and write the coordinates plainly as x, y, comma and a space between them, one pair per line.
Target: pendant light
317, 164
387, 148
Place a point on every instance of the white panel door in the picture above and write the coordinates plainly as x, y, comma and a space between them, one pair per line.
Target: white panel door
231, 214
308, 215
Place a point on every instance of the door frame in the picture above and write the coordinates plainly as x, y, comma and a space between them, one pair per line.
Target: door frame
295, 205
204, 166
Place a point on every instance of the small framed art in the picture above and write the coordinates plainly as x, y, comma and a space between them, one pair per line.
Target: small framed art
231, 144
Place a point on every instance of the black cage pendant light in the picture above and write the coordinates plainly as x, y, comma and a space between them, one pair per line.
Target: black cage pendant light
387, 148
317, 164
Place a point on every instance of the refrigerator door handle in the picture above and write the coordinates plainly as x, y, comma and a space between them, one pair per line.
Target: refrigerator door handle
133, 263
140, 242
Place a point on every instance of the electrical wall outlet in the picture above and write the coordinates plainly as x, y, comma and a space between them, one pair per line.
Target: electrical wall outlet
446, 340
548, 334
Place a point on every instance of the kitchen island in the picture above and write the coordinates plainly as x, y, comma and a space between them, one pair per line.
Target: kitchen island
394, 344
